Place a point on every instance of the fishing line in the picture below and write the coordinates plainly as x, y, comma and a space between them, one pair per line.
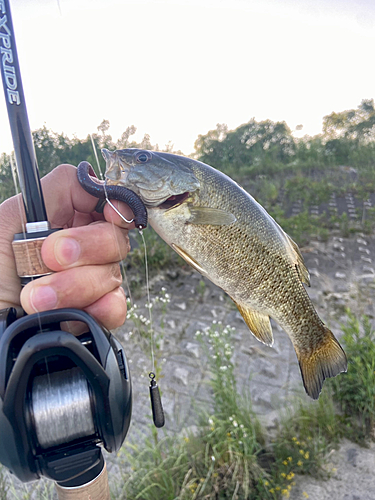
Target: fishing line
105, 183
96, 157
102, 177
23, 225
149, 304
22, 218
156, 404
122, 266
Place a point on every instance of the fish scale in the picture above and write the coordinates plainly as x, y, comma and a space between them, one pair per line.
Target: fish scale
222, 232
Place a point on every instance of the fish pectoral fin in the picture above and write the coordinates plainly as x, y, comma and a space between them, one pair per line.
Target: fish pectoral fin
328, 360
302, 270
192, 262
210, 216
259, 324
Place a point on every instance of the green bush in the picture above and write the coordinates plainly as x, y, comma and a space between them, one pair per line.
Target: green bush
355, 390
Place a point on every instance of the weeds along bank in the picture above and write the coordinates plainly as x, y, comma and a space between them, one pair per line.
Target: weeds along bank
231, 454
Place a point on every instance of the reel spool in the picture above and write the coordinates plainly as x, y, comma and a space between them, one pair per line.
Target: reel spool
61, 397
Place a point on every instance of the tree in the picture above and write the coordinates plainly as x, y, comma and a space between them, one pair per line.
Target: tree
353, 124
250, 144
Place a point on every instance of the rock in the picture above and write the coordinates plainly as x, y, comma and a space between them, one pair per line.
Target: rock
364, 250
366, 259
193, 349
340, 275
172, 274
172, 324
352, 454
182, 375
314, 272
368, 269
181, 306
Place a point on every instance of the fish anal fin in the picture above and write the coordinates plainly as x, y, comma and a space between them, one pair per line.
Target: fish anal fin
259, 324
210, 216
302, 270
192, 262
328, 360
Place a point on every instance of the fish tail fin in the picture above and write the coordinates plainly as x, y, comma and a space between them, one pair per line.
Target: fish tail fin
328, 360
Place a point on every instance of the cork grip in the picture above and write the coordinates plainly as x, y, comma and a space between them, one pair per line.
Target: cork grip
98, 489
28, 257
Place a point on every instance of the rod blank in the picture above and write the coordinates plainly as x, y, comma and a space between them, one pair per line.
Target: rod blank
19, 123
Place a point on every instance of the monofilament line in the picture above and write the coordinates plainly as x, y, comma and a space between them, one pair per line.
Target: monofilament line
149, 304
23, 225
105, 184
96, 157
102, 177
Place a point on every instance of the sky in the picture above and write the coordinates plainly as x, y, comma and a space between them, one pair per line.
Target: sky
176, 68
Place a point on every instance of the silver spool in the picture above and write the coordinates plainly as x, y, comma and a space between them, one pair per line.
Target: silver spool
61, 408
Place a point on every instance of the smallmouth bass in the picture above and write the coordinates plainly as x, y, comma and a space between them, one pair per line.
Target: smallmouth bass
226, 235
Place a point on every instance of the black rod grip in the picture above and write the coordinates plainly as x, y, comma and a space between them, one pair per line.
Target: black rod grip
19, 123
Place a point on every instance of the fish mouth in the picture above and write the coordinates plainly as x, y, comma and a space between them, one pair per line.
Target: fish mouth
174, 201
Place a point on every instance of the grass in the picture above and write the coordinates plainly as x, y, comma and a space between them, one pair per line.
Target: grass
230, 456
355, 390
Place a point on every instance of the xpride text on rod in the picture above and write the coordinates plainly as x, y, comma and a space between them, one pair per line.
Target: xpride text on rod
7, 58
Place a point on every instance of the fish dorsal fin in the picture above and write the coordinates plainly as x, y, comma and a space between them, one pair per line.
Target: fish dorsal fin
300, 264
210, 216
192, 262
259, 324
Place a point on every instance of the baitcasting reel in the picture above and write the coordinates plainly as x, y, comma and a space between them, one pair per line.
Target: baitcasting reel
61, 397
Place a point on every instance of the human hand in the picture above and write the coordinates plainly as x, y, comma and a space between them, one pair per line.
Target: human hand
85, 255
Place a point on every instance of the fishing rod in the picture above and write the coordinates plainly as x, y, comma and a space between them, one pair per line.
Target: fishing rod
62, 398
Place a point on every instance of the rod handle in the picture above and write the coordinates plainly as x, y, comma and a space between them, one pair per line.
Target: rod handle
27, 249
28, 257
97, 489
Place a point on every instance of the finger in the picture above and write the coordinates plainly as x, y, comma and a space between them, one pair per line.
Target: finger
64, 202
77, 288
98, 243
64, 197
112, 216
10, 223
110, 310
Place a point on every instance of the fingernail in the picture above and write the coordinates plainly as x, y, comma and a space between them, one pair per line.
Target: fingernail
67, 251
43, 298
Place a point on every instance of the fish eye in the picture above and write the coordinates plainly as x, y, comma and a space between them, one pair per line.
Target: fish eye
143, 157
